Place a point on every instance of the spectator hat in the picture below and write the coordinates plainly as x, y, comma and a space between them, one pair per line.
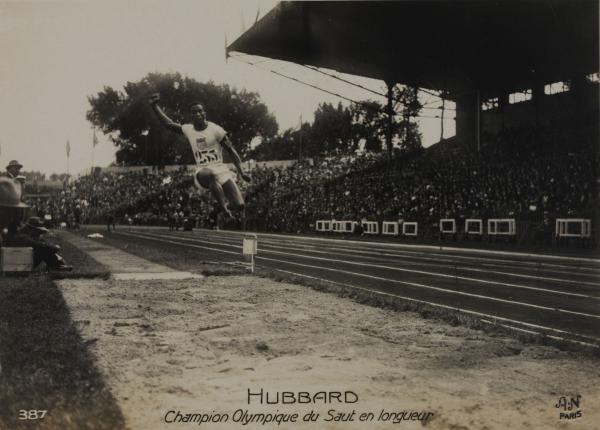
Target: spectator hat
14, 163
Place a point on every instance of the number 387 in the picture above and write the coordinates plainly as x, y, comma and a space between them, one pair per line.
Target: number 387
33, 414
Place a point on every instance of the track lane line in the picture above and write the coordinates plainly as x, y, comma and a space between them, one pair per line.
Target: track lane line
449, 266
312, 248
400, 269
425, 247
521, 263
444, 290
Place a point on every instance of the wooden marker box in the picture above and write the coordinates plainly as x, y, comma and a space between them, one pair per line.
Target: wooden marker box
18, 259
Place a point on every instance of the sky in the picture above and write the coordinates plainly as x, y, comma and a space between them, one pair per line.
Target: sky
54, 54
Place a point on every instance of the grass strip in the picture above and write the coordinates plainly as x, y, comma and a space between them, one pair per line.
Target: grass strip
84, 266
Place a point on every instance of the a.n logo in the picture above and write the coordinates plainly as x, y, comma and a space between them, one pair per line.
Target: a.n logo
569, 406
568, 403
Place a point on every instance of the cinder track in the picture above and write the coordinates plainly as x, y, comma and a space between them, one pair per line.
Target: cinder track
553, 295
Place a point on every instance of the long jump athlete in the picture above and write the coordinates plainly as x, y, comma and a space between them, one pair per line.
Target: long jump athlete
207, 140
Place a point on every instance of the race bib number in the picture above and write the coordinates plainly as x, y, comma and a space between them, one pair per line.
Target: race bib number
205, 157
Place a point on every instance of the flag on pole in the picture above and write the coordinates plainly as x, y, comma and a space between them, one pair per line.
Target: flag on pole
257, 15
94, 139
68, 148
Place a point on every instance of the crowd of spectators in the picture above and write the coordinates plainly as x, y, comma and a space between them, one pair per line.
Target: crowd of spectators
143, 198
443, 182
427, 188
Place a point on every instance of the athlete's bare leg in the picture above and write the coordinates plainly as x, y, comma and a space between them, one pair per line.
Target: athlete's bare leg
235, 198
209, 180
234, 195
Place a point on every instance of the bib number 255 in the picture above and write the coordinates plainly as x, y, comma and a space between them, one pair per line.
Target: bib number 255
208, 156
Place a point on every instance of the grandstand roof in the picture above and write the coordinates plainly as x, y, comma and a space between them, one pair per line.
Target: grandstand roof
453, 45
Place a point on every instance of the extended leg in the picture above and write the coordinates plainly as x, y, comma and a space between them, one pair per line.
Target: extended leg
236, 199
234, 195
209, 180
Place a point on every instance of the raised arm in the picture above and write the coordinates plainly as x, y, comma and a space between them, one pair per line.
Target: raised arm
163, 118
236, 158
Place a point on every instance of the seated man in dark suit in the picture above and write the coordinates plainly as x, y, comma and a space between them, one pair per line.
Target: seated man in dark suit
30, 235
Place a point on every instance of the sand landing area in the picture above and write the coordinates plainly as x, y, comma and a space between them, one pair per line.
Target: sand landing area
227, 352
172, 349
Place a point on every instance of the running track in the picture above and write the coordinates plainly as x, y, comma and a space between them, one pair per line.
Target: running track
557, 296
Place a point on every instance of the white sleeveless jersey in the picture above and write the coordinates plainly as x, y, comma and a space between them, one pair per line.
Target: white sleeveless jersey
206, 144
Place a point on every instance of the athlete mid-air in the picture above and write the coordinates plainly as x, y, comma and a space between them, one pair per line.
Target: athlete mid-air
207, 140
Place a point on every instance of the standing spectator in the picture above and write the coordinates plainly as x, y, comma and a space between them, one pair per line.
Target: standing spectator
13, 169
110, 220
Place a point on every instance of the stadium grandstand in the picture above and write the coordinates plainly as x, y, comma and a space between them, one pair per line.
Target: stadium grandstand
525, 149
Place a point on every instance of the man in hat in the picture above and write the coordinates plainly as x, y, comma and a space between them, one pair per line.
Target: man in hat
31, 235
13, 169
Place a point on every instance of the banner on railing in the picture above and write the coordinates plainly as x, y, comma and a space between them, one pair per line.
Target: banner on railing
448, 226
370, 227
502, 227
474, 226
410, 228
390, 228
573, 227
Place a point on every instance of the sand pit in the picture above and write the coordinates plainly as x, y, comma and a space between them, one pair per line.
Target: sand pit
197, 346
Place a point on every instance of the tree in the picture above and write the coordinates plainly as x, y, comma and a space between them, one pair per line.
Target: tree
284, 146
370, 121
331, 130
131, 125
407, 105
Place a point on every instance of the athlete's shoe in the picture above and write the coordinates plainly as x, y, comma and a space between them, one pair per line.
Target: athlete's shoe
61, 268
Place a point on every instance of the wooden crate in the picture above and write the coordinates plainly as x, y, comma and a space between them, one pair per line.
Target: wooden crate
18, 259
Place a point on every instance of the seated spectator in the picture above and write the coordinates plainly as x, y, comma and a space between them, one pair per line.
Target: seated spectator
30, 235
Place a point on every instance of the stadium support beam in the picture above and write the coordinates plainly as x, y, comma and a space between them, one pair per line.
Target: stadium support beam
478, 121
468, 109
390, 117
